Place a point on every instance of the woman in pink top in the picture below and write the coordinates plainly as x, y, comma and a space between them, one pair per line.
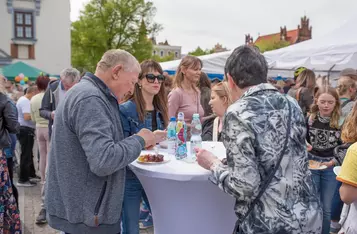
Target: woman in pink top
185, 97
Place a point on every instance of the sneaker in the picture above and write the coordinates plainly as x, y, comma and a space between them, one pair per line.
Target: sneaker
41, 218
143, 214
35, 179
335, 227
25, 184
147, 223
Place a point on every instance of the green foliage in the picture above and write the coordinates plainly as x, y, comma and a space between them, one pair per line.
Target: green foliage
163, 59
272, 45
112, 24
199, 52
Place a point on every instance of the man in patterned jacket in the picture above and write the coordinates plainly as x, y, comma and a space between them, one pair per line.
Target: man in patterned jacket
254, 134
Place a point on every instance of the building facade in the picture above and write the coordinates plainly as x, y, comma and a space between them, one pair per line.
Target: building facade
163, 49
302, 33
37, 32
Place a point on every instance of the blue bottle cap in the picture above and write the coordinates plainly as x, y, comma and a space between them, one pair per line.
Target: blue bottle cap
172, 119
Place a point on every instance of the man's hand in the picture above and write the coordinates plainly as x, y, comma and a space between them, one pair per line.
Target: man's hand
53, 115
148, 136
160, 135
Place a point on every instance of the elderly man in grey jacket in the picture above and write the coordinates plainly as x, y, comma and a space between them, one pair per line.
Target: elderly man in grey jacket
88, 156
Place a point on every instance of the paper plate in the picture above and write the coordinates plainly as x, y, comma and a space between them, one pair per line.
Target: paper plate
336, 170
322, 167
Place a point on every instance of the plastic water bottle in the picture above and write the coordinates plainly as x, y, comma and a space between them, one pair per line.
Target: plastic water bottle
196, 139
181, 137
171, 136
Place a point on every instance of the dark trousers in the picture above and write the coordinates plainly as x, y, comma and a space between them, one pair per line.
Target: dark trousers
337, 204
26, 139
10, 165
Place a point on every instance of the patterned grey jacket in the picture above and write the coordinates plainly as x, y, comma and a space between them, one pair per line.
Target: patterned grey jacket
254, 134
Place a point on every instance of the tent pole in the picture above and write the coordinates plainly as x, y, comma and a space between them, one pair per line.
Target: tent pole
329, 72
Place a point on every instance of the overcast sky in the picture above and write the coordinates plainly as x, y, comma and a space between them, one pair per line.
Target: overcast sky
192, 23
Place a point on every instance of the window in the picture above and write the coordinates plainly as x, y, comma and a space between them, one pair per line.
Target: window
176, 54
154, 52
23, 25
162, 53
22, 51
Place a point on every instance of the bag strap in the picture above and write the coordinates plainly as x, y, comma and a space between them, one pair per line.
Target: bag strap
271, 175
345, 103
215, 129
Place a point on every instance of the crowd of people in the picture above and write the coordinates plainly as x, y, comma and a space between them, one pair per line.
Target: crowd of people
90, 127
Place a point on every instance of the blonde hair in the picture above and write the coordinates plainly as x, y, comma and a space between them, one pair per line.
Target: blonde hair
187, 62
2, 84
344, 84
349, 129
306, 79
336, 113
114, 57
280, 84
222, 90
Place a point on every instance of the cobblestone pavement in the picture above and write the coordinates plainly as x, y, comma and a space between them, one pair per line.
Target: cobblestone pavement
30, 206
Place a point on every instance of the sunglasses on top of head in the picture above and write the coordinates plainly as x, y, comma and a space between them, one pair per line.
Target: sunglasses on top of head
151, 78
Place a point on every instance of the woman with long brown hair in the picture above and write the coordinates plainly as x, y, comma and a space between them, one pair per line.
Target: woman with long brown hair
145, 108
303, 91
185, 97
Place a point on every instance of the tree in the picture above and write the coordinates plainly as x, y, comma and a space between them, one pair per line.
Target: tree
272, 45
142, 46
112, 24
199, 52
163, 59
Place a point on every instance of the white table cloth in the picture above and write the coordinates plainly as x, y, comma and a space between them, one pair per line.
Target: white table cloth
182, 199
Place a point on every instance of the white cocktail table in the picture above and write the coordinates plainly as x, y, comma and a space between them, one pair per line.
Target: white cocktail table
183, 200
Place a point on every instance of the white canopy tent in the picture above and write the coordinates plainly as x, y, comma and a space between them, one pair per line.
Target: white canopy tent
328, 54
213, 64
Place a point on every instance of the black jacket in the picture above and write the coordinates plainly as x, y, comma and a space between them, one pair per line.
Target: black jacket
207, 129
8, 120
49, 103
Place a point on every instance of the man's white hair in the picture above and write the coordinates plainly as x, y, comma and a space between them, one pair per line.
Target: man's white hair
71, 75
115, 57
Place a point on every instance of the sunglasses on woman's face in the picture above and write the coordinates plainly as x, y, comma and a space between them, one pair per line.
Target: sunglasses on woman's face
151, 78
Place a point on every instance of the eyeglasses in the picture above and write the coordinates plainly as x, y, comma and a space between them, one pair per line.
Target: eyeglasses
151, 78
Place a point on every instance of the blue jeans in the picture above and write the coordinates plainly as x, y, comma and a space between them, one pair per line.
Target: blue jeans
325, 181
337, 204
133, 194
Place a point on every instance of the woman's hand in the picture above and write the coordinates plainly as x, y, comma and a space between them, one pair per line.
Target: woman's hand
160, 135
329, 164
308, 147
205, 158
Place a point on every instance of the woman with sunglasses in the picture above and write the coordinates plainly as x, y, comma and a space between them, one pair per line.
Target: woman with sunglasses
145, 108
185, 97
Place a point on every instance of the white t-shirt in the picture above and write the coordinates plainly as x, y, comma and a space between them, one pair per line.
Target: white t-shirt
349, 225
23, 106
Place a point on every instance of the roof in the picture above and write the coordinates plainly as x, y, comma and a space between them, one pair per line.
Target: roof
292, 37
5, 59
13, 70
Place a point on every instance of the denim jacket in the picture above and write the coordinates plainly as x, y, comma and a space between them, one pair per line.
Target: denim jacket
130, 119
